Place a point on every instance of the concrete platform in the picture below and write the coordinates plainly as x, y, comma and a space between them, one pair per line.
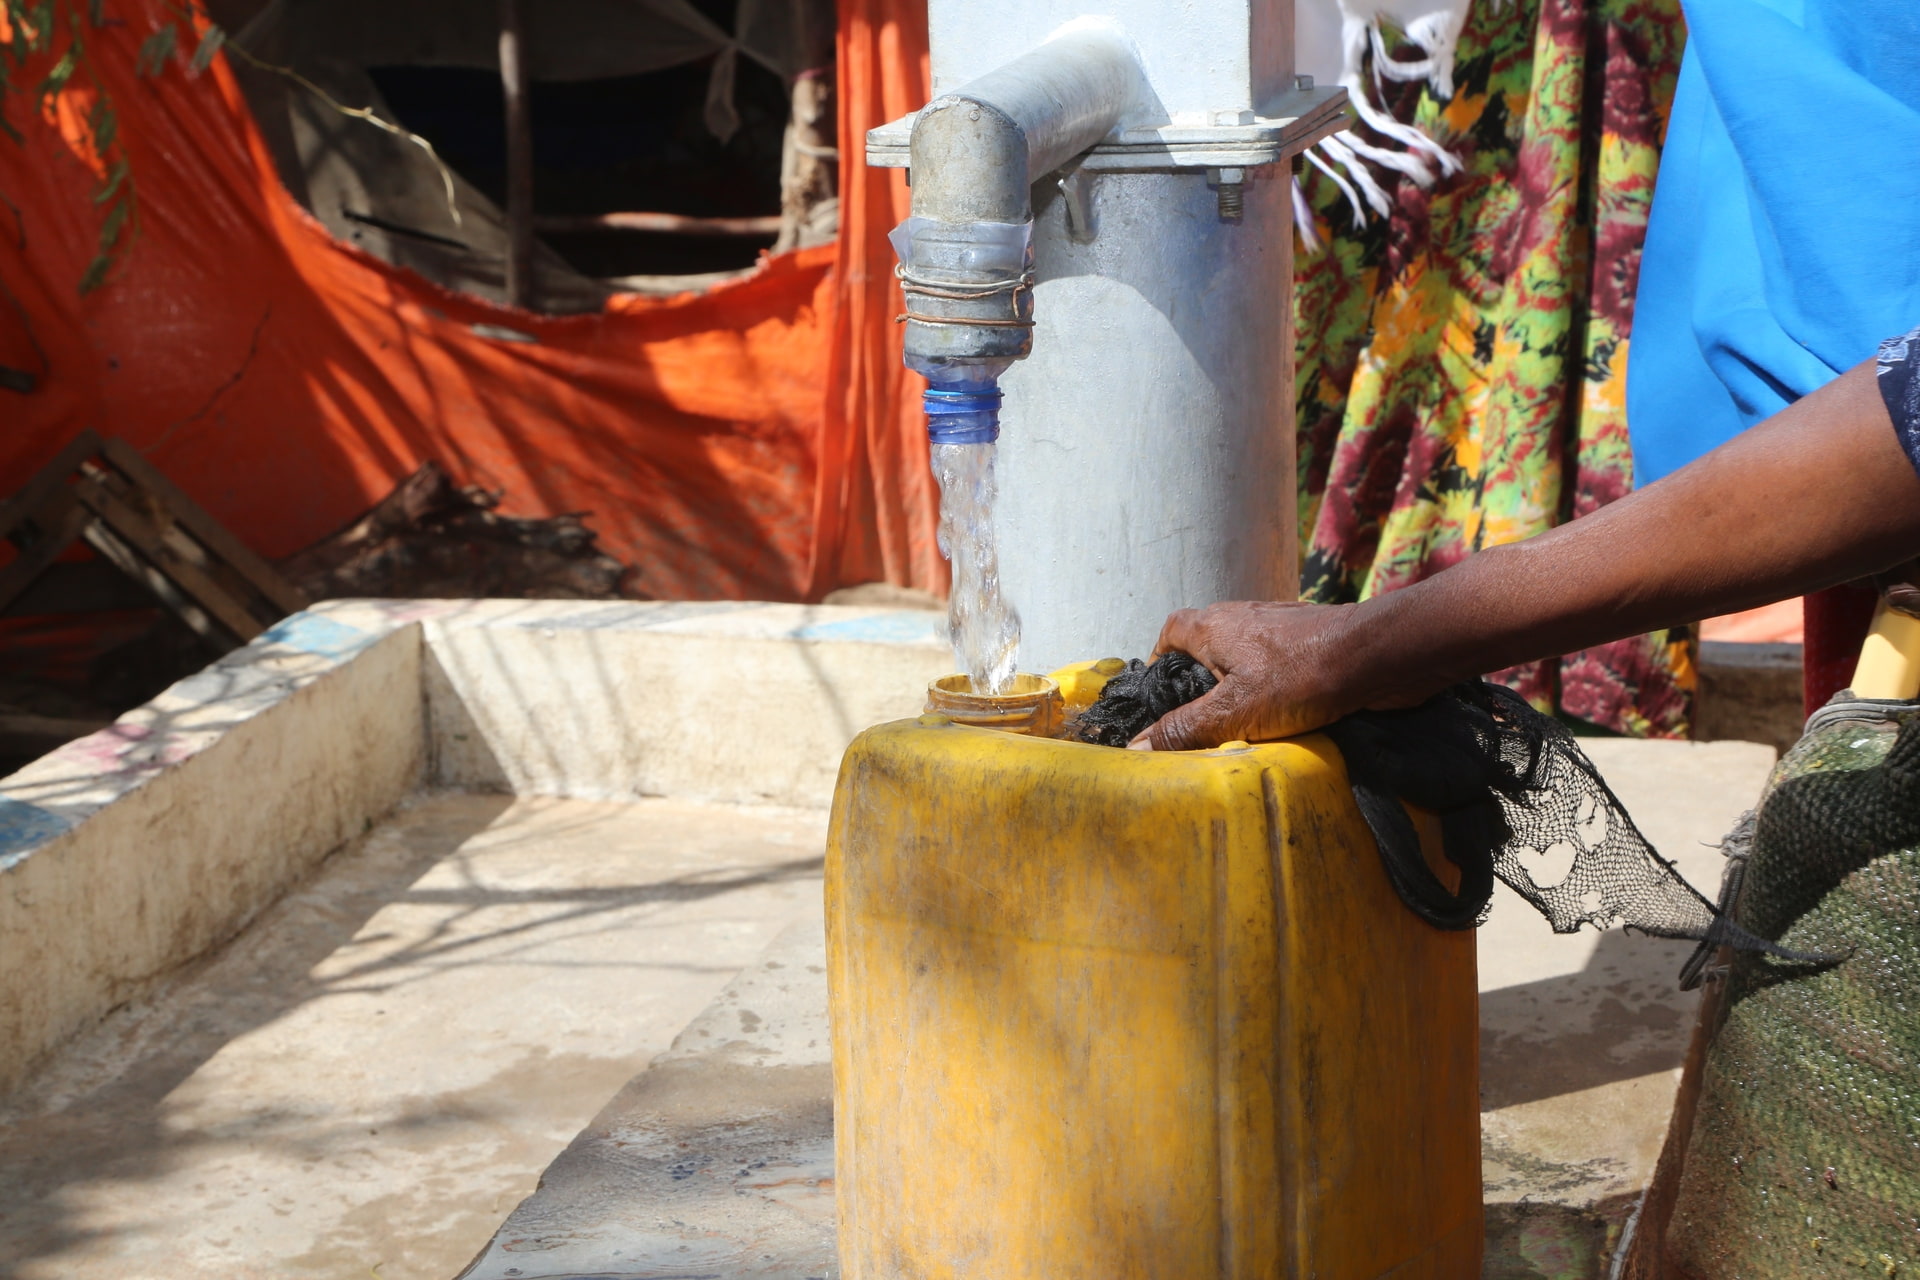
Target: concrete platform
1749, 691
250, 1049
716, 1161
137, 849
367, 1080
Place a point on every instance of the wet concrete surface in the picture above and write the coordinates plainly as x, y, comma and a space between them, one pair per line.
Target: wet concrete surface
368, 1079
717, 1161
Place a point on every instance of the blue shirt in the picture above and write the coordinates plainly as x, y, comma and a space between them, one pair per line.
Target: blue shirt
1781, 246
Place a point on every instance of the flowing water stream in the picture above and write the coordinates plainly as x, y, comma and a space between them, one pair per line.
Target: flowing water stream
985, 629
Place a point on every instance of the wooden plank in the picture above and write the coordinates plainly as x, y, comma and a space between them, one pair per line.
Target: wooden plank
62, 520
122, 556
35, 492
151, 545
216, 537
152, 508
668, 223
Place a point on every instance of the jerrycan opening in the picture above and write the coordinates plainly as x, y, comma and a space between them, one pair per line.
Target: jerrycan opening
1037, 706
1031, 705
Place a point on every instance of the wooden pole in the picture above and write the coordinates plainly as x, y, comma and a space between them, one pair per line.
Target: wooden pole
513, 83
664, 223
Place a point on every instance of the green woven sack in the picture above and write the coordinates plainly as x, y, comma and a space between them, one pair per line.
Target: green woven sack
1805, 1153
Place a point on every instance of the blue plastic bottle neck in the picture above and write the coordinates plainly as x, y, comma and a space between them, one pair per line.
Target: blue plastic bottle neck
963, 412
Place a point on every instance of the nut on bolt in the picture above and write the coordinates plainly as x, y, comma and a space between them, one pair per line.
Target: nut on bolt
1230, 185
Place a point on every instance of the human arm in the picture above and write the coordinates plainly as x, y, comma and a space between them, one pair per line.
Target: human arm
1820, 493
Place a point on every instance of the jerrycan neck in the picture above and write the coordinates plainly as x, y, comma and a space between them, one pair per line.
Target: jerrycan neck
1032, 706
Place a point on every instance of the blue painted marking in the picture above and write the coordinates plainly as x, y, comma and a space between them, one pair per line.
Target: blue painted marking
880, 628
312, 633
23, 826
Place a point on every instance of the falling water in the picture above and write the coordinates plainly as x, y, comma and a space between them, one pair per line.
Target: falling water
984, 628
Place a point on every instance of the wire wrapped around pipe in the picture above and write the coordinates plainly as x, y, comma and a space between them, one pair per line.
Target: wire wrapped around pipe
931, 289
1013, 287
917, 318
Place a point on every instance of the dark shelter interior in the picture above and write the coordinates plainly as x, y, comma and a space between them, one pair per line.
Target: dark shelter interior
620, 146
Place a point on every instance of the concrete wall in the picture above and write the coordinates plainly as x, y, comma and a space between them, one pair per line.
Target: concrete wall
742, 703
1750, 692
129, 853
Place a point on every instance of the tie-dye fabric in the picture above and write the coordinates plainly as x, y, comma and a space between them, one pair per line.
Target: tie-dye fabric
1462, 364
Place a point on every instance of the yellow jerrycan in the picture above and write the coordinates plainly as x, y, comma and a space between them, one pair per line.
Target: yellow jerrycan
1123, 1015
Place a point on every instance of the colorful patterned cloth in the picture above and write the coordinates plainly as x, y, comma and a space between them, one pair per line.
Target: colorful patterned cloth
1462, 365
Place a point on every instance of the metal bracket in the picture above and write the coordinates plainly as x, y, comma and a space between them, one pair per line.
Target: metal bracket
1290, 124
1077, 194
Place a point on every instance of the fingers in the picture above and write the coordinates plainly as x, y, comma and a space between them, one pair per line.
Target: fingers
1214, 633
1182, 631
1278, 666
1207, 721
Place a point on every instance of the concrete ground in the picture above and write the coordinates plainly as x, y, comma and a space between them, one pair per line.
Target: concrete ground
369, 1078
717, 1160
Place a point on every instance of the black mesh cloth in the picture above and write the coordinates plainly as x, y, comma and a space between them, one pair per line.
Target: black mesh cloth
1136, 697
1515, 795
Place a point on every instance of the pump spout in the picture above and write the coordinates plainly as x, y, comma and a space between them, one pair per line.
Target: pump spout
975, 152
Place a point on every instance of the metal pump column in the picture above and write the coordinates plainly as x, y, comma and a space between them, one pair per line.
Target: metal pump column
1146, 458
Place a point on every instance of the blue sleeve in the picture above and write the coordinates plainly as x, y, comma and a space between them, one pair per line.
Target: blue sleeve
1766, 272
1899, 369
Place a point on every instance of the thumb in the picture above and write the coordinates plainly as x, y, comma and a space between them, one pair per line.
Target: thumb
1207, 721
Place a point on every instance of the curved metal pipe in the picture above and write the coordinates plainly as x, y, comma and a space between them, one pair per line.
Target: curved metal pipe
977, 150
975, 154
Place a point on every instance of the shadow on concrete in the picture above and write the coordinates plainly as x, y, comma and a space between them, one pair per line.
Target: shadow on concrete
49, 1143
97, 1113
1621, 1017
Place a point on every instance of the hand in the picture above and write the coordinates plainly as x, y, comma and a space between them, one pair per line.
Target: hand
1284, 669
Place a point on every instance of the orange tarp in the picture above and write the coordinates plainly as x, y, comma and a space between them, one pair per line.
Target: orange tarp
756, 441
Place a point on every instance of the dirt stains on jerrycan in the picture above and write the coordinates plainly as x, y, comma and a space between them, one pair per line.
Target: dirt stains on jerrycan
1123, 1015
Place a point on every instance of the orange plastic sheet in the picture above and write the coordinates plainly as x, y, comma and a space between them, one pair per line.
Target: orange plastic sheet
877, 504
754, 441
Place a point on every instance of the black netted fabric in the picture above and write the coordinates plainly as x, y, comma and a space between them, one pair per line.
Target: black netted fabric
1136, 697
1515, 795
1804, 1159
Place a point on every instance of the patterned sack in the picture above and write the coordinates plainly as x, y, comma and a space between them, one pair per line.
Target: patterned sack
1805, 1152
